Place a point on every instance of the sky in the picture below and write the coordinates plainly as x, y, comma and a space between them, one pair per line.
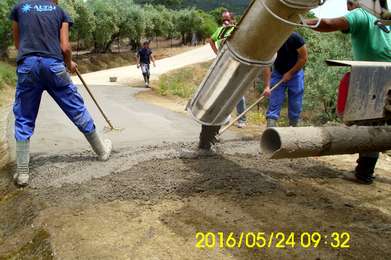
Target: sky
331, 9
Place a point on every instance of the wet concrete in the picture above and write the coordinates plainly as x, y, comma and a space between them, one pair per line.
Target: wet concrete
149, 202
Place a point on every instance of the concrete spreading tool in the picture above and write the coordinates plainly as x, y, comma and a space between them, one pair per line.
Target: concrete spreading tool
96, 102
248, 109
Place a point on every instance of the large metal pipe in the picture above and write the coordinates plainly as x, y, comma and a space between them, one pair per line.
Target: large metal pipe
290, 142
262, 31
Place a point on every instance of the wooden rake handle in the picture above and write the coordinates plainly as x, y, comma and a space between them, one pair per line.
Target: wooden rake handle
94, 99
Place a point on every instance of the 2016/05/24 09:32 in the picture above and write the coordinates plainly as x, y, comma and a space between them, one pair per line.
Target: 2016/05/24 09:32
279, 240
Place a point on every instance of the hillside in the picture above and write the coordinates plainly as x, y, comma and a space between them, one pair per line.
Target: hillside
235, 5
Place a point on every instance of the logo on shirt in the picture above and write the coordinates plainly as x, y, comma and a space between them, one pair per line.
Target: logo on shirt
26, 8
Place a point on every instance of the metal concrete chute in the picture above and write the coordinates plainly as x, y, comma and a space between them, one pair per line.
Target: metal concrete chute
289, 142
263, 29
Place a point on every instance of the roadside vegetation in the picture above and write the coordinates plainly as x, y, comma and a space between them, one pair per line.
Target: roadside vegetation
7, 82
183, 82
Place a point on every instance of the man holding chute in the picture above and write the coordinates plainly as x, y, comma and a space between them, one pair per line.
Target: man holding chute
370, 42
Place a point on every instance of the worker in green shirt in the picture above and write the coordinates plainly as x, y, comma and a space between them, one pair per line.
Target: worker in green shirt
217, 41
370, 43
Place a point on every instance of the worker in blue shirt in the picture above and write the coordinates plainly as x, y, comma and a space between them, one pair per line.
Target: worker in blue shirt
41, 35
144, 58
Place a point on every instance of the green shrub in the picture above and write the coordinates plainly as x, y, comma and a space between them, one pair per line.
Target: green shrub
7, 74
183, 82
321, 82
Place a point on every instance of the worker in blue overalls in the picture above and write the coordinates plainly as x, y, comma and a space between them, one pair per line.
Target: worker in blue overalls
41, 35
288, 67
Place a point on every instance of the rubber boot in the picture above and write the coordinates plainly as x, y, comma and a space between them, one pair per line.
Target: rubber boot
22, 175
208, 137
101, 148
365, 169
293, 123
271, 123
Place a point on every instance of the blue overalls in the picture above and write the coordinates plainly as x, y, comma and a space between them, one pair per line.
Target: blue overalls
295, 89
35, 75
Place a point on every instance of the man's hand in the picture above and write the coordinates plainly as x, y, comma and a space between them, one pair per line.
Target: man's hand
287, 77
72, 67
267, 92
330, 25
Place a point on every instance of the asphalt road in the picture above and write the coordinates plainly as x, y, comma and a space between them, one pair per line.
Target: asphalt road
139, 123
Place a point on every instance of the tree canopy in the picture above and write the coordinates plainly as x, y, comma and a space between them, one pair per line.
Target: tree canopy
99, 23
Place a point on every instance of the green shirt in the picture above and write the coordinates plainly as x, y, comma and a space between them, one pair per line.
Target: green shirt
221, 34
370, 43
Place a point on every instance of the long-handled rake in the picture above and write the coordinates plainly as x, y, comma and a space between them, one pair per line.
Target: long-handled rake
112, 128
248, 109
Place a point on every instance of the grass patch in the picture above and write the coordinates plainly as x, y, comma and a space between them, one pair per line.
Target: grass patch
183, 82
7, 81
7, 74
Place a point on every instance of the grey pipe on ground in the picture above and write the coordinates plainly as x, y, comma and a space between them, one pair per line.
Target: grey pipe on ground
290, 142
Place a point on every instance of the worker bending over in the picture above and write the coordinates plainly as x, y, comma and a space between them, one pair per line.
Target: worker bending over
41, 35
288, 67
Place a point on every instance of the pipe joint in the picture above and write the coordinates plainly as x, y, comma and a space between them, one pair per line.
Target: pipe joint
303, 4
247, 61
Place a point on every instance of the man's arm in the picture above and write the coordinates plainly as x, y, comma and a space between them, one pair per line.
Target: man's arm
330, 25
153, 60
301, 61
212, 44
267, 75
15, 33
138, 59
66, 48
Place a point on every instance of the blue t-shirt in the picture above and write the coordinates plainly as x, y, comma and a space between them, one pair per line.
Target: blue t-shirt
287, 55
40, 22
145, 55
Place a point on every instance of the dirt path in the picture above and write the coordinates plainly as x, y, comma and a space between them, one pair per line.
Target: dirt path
148, 202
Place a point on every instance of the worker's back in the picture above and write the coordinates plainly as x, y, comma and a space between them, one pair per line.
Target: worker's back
39, 23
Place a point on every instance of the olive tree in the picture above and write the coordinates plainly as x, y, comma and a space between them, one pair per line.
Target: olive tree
5, 26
